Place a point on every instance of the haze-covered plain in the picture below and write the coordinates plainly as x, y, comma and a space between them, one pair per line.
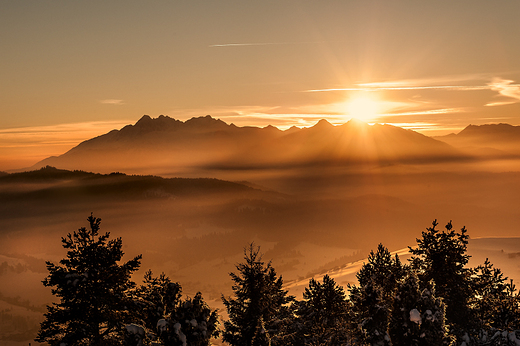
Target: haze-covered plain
313, 214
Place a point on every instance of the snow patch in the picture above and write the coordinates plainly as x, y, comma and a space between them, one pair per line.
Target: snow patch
135, 329
415, 316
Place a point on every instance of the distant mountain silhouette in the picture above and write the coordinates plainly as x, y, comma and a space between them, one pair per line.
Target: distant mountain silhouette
487, 140
166, 144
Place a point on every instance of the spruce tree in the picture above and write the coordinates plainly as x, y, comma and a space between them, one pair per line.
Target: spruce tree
322, 315
489, 286
382, 270
372, 300
495, 303
259, 312
434, 329
157, 298
418, 317
169, 319
404, 330
368, 315
92, 288
442, 257
196, 320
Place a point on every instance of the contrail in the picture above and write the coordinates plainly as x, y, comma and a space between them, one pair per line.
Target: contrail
266, 44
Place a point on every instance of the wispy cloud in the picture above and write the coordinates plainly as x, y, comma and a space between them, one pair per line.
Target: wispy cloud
440, 83
441, 80
501, 103
430, 112
113, 102
267, 44
373, 87
507, 88
24, 146
247, 44
59, 134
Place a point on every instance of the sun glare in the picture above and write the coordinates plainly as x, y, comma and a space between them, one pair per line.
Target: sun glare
363, 108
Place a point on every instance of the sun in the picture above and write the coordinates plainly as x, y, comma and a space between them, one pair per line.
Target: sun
364, 108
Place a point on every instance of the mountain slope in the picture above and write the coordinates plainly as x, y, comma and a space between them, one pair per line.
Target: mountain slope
153, 145
500, 140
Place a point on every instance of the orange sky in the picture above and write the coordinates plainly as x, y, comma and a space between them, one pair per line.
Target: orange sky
73, 70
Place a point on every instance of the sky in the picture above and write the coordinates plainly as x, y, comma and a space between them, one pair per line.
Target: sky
72, 70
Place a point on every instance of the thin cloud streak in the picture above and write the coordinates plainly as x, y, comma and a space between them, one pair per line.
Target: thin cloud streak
505, 88
504, 103
24, 146
112, 102
377, 88
428, 112
267, 44
63, 134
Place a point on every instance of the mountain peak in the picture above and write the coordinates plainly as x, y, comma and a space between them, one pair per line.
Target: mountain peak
146, 123
144, 119
323, 124
271, 128
205, 123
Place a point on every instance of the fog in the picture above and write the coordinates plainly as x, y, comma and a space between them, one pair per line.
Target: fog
307, 222
309, 219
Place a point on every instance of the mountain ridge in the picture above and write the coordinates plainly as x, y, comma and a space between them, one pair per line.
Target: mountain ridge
487, 140
207, 142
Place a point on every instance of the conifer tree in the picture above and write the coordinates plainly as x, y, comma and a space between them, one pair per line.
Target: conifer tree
259, 312
508, 310
418, 317
157, 298
198, 322
368, 315
403, 329
92, 288
322, 315
372, 300
382, 270
442, 257
495, 303
169, 319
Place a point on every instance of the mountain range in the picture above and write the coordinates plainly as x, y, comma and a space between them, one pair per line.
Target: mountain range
164, 143
491, 140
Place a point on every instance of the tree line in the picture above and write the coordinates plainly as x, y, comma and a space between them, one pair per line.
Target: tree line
434, 299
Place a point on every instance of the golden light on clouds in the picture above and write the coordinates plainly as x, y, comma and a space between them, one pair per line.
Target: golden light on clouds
24, 146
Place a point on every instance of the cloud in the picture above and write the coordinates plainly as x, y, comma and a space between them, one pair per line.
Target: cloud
501, 103
440, 83
505, 87
388, 86
24, 146
267, 44
113, 102
246, 44
59, 134
429, 112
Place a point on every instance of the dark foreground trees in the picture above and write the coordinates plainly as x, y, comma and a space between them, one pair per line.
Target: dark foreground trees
99, 304
442, 257
435, 299
259, 313
169, 319
92, 288
320, 318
